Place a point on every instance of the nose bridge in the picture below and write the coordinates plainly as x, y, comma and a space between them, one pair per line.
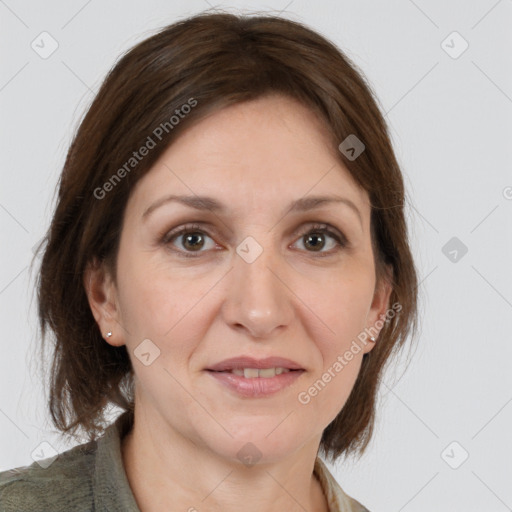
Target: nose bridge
256, 298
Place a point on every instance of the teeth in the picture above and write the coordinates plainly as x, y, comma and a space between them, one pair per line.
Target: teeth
250, 373
267, 372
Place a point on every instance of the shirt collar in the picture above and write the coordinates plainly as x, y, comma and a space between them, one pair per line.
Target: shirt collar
337, 499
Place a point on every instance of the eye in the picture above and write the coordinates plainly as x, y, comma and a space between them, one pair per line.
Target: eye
193, 238
315, 237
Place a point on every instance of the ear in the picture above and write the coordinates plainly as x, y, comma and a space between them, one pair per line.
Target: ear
102, 295
380, 304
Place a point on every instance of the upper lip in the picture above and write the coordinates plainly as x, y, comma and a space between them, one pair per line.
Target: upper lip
242, 362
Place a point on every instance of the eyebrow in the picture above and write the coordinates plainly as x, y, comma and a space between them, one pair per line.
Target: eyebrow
202, 203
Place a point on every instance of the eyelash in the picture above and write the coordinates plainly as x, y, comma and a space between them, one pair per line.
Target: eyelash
322, 228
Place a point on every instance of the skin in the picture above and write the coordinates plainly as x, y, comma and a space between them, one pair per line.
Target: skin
256, 158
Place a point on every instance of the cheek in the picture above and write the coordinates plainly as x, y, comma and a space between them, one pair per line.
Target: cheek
342, 308
168, 307
342, 305
155, 299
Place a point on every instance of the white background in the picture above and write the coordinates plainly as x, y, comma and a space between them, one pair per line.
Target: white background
451, 123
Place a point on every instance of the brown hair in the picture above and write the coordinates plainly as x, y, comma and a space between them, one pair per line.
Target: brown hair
211, 61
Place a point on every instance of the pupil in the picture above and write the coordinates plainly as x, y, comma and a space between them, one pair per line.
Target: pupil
317, 246
192, 236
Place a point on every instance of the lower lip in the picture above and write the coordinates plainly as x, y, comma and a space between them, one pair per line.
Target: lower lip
256, 387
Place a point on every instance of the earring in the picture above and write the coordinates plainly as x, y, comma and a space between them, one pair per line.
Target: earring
109, 333
373, 339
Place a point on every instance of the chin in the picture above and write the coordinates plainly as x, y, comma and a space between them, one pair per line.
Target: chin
258, 442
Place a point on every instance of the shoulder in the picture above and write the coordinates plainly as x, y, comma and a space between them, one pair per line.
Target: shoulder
63, 484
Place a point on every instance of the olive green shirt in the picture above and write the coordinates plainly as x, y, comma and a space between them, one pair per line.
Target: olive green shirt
91, 477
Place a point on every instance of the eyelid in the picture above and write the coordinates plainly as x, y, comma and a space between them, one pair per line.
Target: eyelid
168, 235
324, 226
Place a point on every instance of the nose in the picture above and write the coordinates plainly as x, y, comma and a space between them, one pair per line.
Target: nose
259, 299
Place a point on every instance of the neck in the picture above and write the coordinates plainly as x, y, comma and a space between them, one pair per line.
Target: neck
176, 471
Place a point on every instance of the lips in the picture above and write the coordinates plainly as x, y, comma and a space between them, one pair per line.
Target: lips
248, 377
243, 363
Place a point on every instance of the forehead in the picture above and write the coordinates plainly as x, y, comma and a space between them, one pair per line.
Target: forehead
252, 154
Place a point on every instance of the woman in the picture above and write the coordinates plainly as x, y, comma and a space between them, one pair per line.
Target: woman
228, 262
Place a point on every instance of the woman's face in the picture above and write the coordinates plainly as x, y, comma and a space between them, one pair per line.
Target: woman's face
250, 278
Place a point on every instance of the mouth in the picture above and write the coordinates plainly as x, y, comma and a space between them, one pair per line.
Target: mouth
261, 373
252, 367
256, 378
